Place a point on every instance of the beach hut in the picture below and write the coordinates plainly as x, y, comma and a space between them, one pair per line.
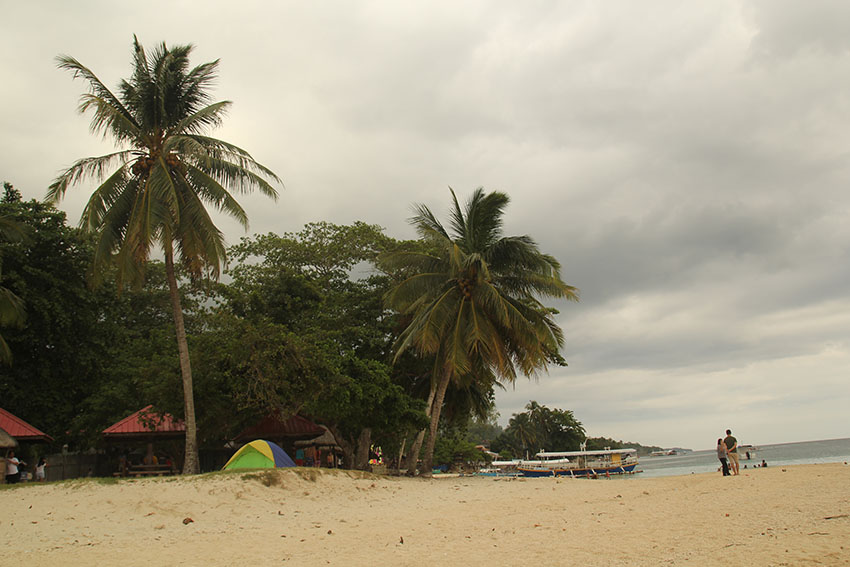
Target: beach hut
259, 454
324, 448
284, 432
14, 429
20, 430
146, 426
280, 430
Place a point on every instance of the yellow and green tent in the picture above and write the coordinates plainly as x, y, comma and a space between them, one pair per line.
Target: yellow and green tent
259, 454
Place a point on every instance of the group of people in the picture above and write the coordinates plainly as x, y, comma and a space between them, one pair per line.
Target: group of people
727, 453
14, 465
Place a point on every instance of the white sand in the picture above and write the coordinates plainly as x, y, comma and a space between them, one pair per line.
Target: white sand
776, 516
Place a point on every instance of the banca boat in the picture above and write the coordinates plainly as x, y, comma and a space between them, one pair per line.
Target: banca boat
581, 463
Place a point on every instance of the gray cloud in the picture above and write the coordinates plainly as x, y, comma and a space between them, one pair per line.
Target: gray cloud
686, 163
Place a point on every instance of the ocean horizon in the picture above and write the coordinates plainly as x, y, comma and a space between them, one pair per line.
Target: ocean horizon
779, 454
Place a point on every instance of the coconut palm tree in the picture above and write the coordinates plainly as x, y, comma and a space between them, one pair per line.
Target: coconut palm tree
155, 189
473, 302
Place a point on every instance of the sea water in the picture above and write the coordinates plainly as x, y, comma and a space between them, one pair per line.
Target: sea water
807, 452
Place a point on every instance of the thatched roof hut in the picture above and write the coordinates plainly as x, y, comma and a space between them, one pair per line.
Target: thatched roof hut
324, 441
6, 440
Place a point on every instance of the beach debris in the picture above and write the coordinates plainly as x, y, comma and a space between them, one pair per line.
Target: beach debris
187, 520
330, 532
401, 539
836, 517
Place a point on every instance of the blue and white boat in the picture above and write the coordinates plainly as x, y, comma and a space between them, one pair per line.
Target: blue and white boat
581, 463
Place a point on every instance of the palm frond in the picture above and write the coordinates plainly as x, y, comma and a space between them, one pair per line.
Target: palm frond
207, 117
12, 311
211, 191
94, 167
97, 87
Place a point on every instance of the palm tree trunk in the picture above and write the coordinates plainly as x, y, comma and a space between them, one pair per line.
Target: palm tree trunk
190, 461
413, 455
436, 409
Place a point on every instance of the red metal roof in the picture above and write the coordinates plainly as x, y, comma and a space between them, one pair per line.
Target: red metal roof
20, 429
146, 423
273, 427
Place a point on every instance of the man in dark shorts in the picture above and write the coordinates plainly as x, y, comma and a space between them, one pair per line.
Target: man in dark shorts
731, 451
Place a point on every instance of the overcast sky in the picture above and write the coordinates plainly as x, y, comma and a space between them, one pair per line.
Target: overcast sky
686, 162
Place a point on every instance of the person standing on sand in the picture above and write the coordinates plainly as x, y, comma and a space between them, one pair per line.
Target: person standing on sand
13, 464
721, 456
732, 451
39, 469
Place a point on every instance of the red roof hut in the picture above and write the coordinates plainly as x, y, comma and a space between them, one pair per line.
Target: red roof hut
145, 424
20, 429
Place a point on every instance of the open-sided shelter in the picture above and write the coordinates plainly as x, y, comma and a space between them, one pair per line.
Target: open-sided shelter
146, 426
324, 449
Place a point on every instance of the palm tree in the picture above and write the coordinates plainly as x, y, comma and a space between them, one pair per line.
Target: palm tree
168, 172
473, 302
525, 433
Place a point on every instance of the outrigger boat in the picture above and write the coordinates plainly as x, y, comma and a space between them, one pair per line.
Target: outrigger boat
581, 463
501, 468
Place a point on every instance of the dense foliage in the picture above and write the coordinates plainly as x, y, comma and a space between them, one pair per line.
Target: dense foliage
539, 428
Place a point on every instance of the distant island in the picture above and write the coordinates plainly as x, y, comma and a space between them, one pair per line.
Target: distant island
596, 443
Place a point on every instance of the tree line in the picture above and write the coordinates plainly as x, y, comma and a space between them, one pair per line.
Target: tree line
419, 340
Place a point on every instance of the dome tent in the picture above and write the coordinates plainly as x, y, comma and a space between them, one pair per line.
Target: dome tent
259, 454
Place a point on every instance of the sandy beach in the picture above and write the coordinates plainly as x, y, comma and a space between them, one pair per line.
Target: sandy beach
795, 515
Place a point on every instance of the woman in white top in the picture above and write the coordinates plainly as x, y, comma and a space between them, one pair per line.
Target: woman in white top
721, 455
13, 473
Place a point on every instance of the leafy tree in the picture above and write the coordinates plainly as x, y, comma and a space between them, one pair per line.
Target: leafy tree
483, 431
473, 303
539, 428
453, 449
600, 443
317, 295
61, 353
168, 172
12, 311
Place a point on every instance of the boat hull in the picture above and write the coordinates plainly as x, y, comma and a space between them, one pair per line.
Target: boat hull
579, 473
